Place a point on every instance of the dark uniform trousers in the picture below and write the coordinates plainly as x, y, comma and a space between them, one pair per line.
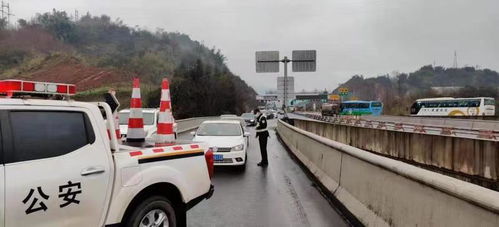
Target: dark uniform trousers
263, 136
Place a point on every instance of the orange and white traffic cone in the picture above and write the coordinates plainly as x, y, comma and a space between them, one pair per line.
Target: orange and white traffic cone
164, 133
135, 131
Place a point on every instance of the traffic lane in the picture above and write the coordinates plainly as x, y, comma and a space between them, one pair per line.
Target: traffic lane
279, 195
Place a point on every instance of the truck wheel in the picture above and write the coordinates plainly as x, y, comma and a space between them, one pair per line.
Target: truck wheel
156, 211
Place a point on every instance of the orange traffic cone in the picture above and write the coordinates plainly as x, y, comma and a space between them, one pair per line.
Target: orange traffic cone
135, 131
164, 133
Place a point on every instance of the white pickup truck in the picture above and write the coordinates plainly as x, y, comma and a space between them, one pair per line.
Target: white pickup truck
60, 167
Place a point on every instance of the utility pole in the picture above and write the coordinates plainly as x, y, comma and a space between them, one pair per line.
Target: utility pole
1, 9
5, 11
455, 60
76, 15
8, 13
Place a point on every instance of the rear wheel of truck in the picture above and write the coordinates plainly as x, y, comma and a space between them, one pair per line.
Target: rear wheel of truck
155, 211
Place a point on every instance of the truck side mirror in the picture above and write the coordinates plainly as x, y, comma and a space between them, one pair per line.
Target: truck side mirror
193, 133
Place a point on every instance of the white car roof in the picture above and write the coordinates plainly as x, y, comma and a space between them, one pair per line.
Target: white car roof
222, 121
228, 115
231, 118
144, 110
44, 102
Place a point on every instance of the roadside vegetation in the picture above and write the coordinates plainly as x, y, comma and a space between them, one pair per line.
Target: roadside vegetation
98, 53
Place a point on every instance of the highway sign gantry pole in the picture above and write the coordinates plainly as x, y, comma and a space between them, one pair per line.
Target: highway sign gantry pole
268, 62
285, 98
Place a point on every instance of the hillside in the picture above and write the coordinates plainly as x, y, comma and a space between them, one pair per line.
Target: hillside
398, 92
69, 69
97, 53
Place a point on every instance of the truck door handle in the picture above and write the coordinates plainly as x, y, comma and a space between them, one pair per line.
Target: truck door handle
92, 170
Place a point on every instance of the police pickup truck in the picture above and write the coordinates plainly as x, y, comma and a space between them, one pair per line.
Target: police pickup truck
60, 166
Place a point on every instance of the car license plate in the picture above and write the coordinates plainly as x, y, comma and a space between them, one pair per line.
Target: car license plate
218, 157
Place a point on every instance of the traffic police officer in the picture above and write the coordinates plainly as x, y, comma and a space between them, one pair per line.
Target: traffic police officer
262, 134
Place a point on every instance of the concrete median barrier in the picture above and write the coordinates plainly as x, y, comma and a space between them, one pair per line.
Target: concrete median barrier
384, 192
470, 158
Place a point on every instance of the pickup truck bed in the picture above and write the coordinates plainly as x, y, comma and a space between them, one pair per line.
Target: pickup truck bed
149, 144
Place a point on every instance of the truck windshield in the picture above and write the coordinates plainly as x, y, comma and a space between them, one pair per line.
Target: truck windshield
148, 118
219, 129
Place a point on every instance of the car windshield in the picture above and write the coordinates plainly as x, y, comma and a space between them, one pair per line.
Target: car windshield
219, 129
148, 118
248, 116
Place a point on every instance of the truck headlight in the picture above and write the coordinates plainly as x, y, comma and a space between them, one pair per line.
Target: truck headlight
239, 147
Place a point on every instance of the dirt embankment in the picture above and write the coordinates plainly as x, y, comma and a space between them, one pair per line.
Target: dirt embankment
71, 70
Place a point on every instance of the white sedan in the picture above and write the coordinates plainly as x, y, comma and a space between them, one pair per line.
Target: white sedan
228, 140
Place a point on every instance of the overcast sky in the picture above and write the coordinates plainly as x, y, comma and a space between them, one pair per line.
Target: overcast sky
368, 37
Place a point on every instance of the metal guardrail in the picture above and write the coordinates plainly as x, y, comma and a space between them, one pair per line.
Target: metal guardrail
484, 133
440, 121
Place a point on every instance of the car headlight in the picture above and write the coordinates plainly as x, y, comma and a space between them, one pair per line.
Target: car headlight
239, 147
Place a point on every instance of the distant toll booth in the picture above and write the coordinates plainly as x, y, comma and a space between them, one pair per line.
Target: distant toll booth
270, 101
310, 100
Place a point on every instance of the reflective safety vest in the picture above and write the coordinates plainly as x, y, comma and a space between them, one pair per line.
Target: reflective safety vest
261, 125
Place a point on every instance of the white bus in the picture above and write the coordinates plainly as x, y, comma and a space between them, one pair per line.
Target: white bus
478, 106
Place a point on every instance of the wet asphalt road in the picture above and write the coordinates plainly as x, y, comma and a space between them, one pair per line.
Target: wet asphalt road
279, 195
